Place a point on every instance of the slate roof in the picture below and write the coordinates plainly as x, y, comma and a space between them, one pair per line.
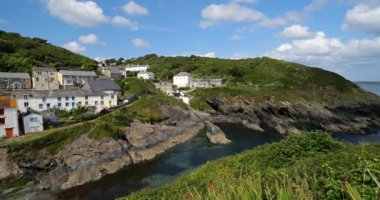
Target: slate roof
77, 73
101, 85
44, 69
183, 74
13, 75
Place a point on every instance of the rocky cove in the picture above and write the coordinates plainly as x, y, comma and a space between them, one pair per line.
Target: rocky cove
86, 160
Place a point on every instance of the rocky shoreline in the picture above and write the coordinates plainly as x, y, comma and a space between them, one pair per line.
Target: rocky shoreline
86, 160
286, 118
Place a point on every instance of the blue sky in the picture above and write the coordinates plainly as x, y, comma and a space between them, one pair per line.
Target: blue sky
338, 35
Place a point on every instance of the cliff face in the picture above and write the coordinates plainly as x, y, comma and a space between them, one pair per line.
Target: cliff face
287, 118
85, 159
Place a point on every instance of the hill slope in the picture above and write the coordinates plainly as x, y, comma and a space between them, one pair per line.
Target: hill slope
306, 166
20, 54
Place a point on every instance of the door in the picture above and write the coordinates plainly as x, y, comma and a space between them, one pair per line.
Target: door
9, 132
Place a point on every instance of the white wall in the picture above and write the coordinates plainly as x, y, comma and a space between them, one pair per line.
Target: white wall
137, 69
182, 81
145, 76
30, 126
66, 104
11, 121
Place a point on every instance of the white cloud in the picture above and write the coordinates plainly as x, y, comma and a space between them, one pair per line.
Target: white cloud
208, 55
215, 14
236, 37
138, 42
244, 1
82, 13
90, 39
232, 12
296, 32
122, 21
74, 47
132, 8
363, 17
330, 53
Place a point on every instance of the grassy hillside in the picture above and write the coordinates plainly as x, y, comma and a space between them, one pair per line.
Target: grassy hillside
146, 109
20, 54
306, 166
258, 78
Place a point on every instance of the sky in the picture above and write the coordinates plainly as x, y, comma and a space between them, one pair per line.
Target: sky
338, 35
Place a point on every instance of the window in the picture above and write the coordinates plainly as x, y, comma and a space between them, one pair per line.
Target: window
1, 111
26, 96
39, 73
67, 104
102, 97
48, 105
66, 98
26, 104
37, 79
2, 120
41, 106
86, 97
102, 103
59, 98
96, 102
73, 98
73, 105
59, 105
33, 119
86, 103
51, 74
43, 99
113, 96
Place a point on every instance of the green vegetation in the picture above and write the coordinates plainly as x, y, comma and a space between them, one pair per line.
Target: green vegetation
52, 141
10, 184
20, 54
102, 125
306, 166
257, 78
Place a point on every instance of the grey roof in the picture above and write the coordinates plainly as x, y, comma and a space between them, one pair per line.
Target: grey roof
150, 73
55, 93
77, 73
114, 69
101, 85
13, 75
44, 69
183, 74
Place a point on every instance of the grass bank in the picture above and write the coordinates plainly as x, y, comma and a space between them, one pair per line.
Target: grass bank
306, 166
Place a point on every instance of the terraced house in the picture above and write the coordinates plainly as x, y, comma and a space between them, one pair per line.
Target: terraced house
9, 80
45, 78
8, 117
69, 79
62, 100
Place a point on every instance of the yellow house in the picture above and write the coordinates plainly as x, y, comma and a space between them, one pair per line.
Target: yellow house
45, 78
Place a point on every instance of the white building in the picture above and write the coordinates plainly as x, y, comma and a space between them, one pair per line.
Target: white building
146, 75
185, 99
68, 78
182, 79
33, 122
8, 118
137, 68
62, 99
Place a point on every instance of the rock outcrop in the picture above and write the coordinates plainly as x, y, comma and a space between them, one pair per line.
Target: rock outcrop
85, 160
288, 118
8, 168
215, 134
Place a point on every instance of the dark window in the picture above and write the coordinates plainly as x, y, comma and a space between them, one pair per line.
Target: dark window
48, 105
1, 111
26, 104
2, 120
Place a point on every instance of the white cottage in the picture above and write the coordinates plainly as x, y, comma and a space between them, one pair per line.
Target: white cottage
146, 75
33, 122
182, 79
8, 118
137, 68
68, 78
62, 99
